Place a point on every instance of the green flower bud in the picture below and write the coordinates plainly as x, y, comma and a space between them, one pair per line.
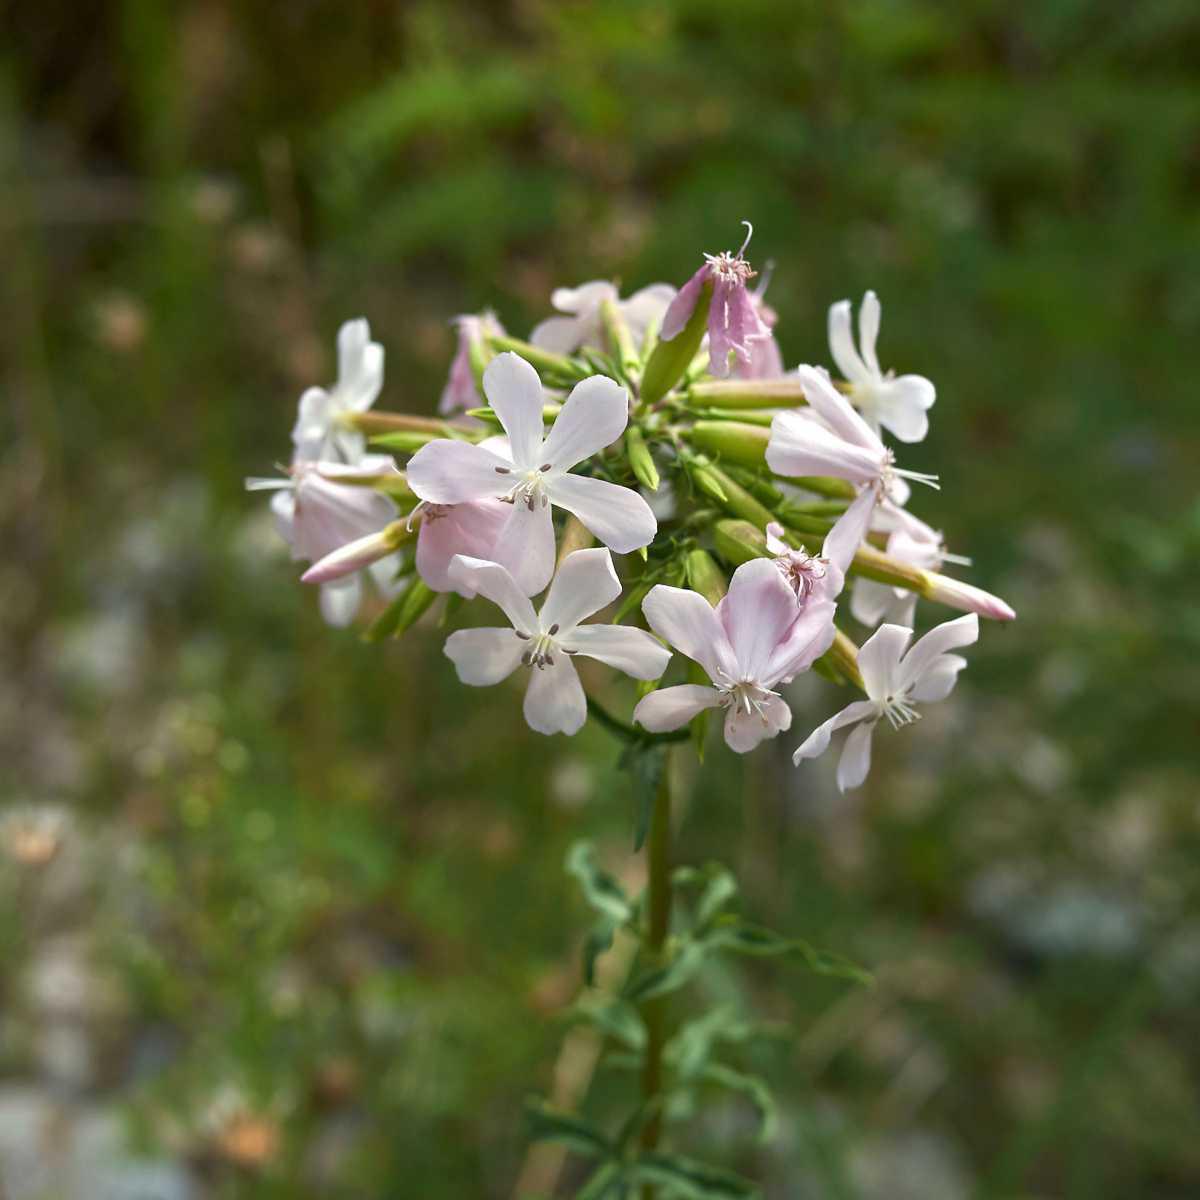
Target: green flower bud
746, 393
640, 460
738, 542
705, 577
733, 441
669, 361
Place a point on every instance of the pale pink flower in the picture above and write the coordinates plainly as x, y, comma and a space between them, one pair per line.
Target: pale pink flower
321, 433
900, 405
832, 439
532, 474
317, 515
755, 639
546, 642
766, 359
460, 391
582, 325
472, 528
734, 323
895, 683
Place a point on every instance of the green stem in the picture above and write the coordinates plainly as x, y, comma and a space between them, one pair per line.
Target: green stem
658, 922
631, 733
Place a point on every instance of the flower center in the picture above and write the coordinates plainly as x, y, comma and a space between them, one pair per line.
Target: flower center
542, 647
898, 710
528, 487
729, 268
748, 697
802, 571
889, 473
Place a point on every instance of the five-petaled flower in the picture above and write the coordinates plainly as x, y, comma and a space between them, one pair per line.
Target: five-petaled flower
830, 438
532, 474
321, 431
582, 324
545, 642
900, 405
895, 682
756, 638
734, 321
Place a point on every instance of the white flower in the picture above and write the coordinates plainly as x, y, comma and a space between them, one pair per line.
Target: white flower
316, 515
895, 682
832, 439
582, 326
756, 638
546, 642
320, 432
899, 405
532, 474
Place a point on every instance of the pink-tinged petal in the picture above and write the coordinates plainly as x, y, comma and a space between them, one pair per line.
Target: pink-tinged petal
673, 707
775, 543
756, 614
679, 311
958, 594
868, 331
326, 515
832, 407
744, 731
938, 679
446, 471
799, 446
526, 546
515, 393
459, 392
617, 515
555, 701
353, 556
633, 651
723, 339
855, 761
583, 585
879, 660
472, 529
817, 742
808, 638
490, 580
841, 344
594, 416
848, 532
950, 635
765, 361
558, 335
901, 406
689, 623
340, 601
483, 657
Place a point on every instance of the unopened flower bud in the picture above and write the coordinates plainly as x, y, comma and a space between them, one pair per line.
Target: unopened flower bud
965, 597
358, 554
734, 441
739, 541
705, 577
746, 393
640, 460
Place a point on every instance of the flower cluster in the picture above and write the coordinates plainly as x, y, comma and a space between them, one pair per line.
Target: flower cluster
737, 497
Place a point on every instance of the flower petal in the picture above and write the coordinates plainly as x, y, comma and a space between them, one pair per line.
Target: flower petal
360, 366
584, 298
810, 636
633, 651
484, 656
679, 311
670, 708
472, 529
526, 546
868, 331
689, 623
554, 700
583, 585
447, 471
901, 406
340, 601
494, 583
817, 742
939, 678
870, 602
855, 761
879, 660
515, 393
594, 416
313, 418
617, 515
559, 335
799, 446
841, 344
962, 631
848, 532
756, 613
647, 306
744, 731
833, 408
327, 515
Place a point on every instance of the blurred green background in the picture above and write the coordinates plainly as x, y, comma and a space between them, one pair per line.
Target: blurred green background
304, 931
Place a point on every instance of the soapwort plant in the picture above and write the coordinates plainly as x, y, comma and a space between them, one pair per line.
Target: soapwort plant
693, 513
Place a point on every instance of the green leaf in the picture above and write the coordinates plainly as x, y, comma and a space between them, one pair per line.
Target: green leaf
615, 1018
605, 1181
683, 966
597, 942
743, 938
689, 1050
600, 889
719, 887
402, 613
645, 763
547, 1124
752, 1086
688, 1179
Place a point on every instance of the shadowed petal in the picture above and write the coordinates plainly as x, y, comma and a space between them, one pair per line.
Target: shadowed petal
526, 546
583, 585
841, 344
744, 731
756, 614
879, 660
950, 635
855, 760
472, 529
446, 471
868, 331
670, 708
689, 623
939, 678
494, 583
799, 446
633, 651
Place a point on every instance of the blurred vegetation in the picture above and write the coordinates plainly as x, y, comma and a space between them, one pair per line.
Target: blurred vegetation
312, 890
